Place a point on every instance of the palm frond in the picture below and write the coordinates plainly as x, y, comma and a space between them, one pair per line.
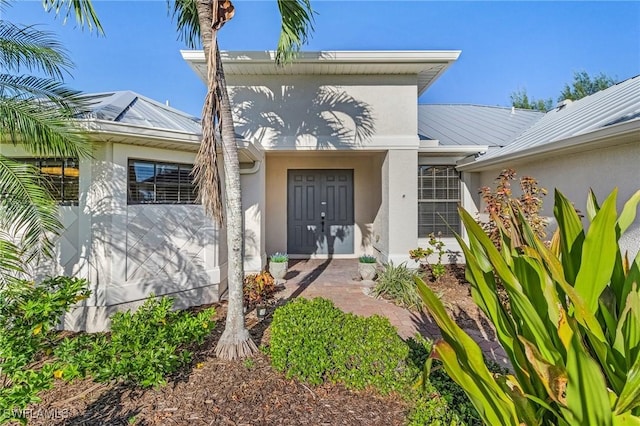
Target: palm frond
83, 12
25, 47
43, 128
11, 266
296, 27
28, 213
185, 13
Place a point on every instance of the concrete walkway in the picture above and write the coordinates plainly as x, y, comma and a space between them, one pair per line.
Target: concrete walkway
339, 281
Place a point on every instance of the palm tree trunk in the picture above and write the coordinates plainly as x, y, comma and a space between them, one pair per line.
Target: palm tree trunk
235, 341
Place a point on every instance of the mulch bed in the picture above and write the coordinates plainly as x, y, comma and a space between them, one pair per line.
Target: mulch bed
215, 392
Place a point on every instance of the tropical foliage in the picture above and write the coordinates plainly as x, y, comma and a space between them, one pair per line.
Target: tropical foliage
396, 283
572, 336
501, 203
36, 111
28, 317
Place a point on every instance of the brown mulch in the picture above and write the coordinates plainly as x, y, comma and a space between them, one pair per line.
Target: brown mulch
215, 392
455, 293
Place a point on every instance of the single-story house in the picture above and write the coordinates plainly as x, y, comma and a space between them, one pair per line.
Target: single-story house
337, 160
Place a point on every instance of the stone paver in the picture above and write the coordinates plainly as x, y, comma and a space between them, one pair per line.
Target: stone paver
338, 280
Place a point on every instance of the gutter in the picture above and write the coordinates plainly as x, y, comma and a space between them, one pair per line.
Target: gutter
613, 135
426, 148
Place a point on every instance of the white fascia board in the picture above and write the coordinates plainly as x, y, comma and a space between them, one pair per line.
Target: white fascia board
453, 149
362, 56
102, 127
609, 136
109, 127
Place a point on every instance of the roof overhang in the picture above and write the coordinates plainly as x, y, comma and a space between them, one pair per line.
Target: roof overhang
109, 131
433, 147
617, 134
427, 65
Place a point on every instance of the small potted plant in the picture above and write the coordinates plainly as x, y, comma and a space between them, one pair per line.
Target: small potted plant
278, 265
367, 267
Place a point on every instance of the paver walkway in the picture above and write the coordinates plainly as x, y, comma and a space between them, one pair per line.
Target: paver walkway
339, 281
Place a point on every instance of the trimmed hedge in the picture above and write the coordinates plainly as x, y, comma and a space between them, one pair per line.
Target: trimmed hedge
313, 341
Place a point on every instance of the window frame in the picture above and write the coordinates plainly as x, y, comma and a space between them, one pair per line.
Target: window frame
457, 227
180, 186
37, 162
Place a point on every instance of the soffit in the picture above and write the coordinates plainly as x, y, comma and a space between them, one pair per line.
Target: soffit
426, 65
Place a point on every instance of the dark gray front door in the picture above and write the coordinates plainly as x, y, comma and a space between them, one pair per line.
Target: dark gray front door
320, 212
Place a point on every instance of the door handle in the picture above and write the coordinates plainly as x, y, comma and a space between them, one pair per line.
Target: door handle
322, 221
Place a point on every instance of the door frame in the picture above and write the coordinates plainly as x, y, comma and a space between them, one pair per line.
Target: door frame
353, 213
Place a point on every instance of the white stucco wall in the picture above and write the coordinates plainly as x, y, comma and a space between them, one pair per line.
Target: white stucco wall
128, 252
321, 112
573, 174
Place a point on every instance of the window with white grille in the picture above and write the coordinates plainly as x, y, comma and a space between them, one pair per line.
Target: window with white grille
438, 200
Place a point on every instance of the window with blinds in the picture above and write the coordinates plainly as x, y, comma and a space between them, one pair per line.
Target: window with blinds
438, 199
60, 177
152, 182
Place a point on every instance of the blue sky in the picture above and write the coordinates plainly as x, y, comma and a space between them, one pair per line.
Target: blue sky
505, 46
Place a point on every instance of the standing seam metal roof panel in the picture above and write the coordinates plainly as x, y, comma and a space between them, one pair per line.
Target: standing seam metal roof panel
616, 104
474, 124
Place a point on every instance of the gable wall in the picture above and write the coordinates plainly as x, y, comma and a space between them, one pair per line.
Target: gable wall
321, 112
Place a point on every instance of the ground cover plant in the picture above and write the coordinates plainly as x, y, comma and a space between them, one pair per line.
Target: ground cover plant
143, 347
314, 341
572, 333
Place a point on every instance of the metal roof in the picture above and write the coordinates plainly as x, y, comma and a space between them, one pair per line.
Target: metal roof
473, 124
134, 109
615, 105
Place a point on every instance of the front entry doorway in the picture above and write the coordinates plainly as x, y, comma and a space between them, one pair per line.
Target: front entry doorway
320, 216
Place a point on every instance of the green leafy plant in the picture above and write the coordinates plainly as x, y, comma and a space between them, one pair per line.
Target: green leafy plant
279, 257
29, 314
397, 283
572, 336
367, 258
500, 203
436, 246
314, 341
258, 288
143, 347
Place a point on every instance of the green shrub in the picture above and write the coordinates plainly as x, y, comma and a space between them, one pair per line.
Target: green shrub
397, 283
314, 341
573, 334
28, 315
303, 334
142, 348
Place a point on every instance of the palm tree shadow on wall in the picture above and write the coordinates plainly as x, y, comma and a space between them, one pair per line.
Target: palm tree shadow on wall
293, 115
158, 250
